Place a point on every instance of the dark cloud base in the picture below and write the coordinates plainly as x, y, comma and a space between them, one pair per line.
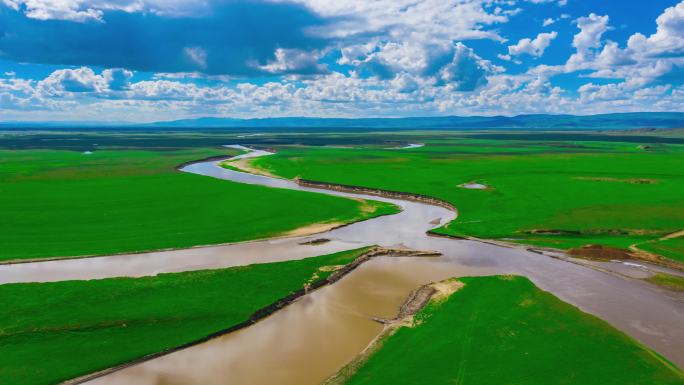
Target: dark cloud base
233, 39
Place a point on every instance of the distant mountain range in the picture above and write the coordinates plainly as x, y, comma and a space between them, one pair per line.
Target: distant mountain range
623, 121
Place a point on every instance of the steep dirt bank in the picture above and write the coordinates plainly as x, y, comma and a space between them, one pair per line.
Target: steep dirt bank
268, 310
377, 192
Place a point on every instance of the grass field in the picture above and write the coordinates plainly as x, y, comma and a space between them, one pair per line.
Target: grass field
66, 203
560, 194
672, 282
505, 331
45, 326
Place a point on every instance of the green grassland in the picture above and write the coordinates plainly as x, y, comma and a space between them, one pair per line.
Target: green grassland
552, 193
195, 138
505, 331
45, 326
66, 203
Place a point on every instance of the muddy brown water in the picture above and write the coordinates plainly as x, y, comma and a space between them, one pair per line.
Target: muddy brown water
310, 339
302, 344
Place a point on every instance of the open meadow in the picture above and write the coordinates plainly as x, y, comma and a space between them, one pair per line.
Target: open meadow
541, 189
66, 203
341, 192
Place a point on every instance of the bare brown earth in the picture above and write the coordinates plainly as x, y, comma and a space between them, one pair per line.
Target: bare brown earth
245, 165
366, 207
600, 253
618, 180
604, 253
313, 229
673, 235
592, 232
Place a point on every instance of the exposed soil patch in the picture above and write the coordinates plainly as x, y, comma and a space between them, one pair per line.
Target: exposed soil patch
618, 180
445, 288
592, 232
600, 252
366, 207
313, 229
552, 232
676, 234
245, 165
331, 268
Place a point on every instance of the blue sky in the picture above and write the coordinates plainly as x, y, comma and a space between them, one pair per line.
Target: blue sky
149, 60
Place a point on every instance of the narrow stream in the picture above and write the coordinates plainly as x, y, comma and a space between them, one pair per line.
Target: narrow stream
309, 340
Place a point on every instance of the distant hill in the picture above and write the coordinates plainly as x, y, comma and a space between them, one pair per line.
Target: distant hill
626, 121
623, 121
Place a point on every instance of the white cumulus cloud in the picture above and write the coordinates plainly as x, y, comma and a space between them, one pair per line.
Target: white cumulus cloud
534, 47
668, 39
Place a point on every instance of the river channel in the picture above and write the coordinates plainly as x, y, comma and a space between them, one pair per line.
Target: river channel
309, 340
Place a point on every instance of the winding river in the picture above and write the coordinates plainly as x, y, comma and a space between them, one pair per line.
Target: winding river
310, 339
